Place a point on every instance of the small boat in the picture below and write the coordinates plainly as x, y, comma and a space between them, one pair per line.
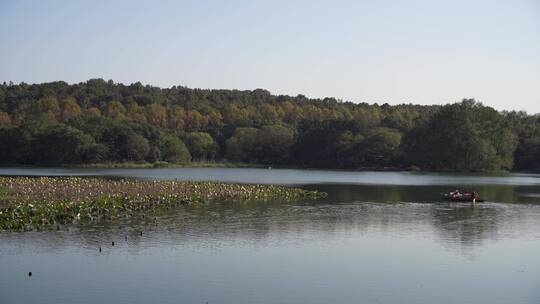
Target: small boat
457, 196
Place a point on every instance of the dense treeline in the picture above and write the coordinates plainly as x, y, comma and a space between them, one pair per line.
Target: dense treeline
101, 121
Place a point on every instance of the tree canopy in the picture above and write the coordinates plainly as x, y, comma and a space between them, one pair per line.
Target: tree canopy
102, 121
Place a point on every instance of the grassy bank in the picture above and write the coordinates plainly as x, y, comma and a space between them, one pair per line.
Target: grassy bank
143, 165
41, 203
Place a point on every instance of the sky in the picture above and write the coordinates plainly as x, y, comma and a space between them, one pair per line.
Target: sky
422, 52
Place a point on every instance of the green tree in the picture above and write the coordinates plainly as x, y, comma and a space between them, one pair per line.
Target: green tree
135, 112
242, 145
273, 144
174, 150
381, 148
256, 126
135, 147
70, 146
464, 136
201, 145
115, 110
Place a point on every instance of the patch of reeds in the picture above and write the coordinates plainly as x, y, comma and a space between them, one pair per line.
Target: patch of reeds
39, 203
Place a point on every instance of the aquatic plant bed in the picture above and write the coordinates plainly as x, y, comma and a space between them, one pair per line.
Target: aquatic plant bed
28, 203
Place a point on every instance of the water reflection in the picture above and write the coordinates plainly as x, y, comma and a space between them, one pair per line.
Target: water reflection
466, 226
390, 209
427, 193
459, 226
363, 244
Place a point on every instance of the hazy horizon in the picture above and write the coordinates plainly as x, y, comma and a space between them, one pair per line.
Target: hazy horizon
420, 52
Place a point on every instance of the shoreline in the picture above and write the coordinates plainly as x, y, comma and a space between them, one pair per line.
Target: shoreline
238, 165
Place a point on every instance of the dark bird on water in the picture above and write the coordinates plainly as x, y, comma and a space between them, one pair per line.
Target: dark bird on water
113, 243
30, 274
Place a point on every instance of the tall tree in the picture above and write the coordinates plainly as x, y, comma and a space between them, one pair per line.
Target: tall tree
201, 145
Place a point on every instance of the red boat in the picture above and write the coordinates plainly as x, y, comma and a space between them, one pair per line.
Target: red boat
457, 196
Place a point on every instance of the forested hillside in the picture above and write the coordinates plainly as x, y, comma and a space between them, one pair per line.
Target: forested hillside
103, 122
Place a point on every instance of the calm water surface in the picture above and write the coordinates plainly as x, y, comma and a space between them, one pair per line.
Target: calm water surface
377, 238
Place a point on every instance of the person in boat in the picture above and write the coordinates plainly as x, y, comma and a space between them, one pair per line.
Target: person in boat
455, 194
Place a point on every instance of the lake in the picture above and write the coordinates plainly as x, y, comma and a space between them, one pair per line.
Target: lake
379, 237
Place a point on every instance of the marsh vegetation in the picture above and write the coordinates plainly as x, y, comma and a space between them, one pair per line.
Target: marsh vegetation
41, 203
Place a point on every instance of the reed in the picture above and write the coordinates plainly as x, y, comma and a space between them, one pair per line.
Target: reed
39, 203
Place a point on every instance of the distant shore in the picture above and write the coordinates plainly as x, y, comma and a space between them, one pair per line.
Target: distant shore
145, 165
205, 164
225, 164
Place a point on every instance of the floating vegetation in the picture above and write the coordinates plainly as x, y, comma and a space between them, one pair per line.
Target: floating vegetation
39, 203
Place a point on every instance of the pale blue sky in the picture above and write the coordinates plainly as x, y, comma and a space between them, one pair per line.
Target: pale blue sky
426, 52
